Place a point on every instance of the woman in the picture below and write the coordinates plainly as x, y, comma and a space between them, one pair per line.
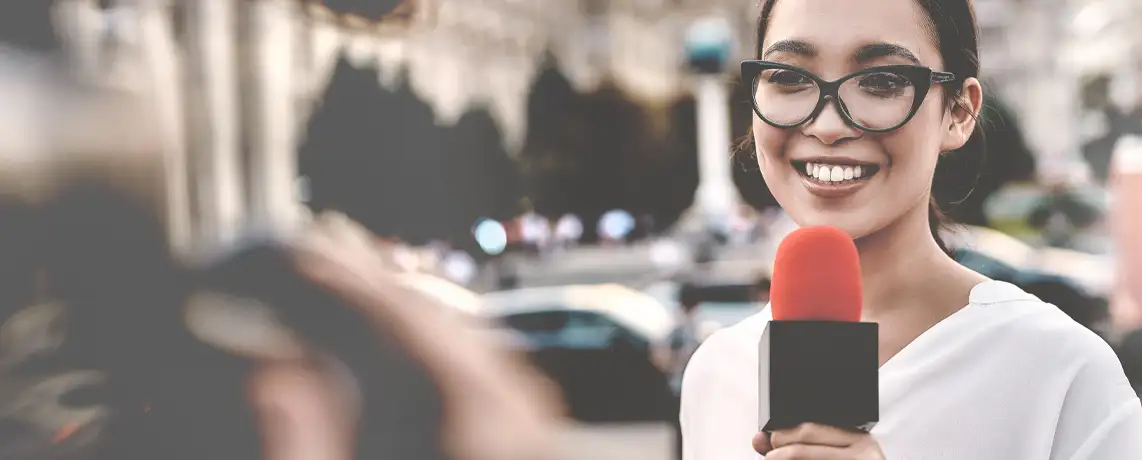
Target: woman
970, 368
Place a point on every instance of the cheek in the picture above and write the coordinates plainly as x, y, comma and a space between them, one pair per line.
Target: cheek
915, 148
770, 146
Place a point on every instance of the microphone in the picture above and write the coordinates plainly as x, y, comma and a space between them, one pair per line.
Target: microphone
818, 361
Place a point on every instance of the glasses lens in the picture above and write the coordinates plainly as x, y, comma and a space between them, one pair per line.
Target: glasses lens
785, 97
881, 100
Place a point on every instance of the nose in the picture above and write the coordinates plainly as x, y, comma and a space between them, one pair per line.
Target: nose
829, 126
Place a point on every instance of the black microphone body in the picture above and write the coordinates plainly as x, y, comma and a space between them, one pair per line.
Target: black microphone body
823, 372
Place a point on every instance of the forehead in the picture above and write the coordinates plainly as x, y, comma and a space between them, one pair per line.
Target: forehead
837, 29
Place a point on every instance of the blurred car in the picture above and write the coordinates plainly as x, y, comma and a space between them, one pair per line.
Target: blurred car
1094, 273
605, 345
468, 306
1028, 211
724, 302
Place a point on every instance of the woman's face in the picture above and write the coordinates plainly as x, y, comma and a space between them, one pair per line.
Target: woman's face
833, 38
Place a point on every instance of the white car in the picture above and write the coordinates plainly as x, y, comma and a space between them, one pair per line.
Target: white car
724, 304
587, 316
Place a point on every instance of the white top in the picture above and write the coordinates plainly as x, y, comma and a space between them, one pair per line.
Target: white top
1007, 377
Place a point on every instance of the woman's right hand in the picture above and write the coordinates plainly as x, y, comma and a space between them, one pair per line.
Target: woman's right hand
810, 441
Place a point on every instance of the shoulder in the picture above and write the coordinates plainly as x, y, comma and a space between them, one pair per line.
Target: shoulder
1095, 396
1045, 334
1034, 326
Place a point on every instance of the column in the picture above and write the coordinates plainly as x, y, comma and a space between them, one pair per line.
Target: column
708, 47
716, 196
271, 118
214, 126
160, 60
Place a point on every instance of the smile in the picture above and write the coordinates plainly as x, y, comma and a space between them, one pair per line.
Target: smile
834, 179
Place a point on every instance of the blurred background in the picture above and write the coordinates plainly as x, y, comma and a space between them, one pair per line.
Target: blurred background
567, 168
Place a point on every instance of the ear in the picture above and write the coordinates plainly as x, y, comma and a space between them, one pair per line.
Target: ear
961, 119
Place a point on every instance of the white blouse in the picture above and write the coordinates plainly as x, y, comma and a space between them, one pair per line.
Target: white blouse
1006, 378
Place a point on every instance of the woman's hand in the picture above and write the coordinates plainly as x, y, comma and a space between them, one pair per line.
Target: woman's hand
810, 441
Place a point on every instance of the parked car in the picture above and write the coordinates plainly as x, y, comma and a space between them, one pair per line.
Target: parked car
723, 302
605, 345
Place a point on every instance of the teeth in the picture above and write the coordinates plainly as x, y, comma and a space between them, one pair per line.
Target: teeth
838, 174
833, 173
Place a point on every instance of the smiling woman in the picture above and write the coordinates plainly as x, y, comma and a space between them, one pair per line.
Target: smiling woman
856, 105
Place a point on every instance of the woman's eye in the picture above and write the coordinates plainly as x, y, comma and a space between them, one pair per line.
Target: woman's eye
884, 82
786, 77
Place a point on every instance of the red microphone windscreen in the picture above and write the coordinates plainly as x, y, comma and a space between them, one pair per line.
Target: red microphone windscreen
816, 276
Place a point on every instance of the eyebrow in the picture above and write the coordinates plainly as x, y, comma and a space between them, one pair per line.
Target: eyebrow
864, 54
880, 50
791, 46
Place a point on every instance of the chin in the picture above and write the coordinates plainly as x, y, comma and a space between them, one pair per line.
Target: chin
858, 224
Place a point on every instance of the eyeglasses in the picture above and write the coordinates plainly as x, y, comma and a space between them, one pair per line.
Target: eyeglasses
876, 99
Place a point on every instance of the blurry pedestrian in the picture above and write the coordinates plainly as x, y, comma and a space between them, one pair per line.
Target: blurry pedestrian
568, 230
686, 335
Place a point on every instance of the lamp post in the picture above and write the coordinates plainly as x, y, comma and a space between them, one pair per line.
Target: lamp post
708, 50
270, 112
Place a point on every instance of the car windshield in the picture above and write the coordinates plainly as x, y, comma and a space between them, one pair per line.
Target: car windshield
570, 328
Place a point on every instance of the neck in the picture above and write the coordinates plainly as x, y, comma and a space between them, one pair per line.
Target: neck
899, 263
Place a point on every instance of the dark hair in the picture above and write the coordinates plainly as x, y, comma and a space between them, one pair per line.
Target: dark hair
956, 34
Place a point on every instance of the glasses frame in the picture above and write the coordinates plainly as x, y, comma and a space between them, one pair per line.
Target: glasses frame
921, 77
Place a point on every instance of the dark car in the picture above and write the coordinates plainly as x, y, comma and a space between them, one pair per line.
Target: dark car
604, 345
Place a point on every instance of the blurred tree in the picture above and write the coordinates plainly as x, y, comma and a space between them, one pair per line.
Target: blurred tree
379, 157
590, 153
481, 179
555, 128
610, 166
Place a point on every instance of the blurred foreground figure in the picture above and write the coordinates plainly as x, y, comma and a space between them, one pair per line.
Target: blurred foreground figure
293, 347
